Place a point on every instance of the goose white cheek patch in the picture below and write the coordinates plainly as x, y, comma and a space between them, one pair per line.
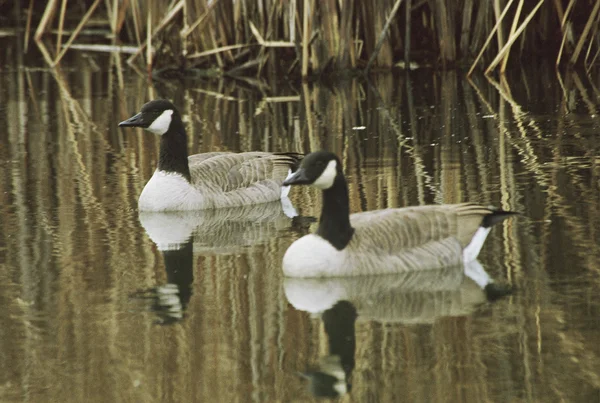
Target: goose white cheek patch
325, 181
161, 123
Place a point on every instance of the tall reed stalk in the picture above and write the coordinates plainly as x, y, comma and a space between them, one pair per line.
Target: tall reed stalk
300, 38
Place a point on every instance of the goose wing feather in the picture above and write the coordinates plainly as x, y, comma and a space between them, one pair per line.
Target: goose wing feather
197, 159
251, 172
391, 230
414, 238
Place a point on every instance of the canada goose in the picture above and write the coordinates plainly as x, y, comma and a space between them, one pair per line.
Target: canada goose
382, 241
209, 180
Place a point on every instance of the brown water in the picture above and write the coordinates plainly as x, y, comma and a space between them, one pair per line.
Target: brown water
81, 319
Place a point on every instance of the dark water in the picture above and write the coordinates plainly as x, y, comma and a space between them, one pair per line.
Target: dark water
93, 310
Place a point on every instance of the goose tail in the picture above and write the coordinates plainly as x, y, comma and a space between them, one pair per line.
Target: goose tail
496, 217
471, 251
292, 161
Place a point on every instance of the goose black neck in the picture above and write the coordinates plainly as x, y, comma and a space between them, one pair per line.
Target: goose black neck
334, 224
173, 156
179, 265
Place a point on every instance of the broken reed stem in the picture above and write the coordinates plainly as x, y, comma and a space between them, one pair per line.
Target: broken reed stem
291, 21
512, 32
61, 20
85, 18
218, 50
268, 44
48, 13
184, 42
584, 34
185, 33
489, 38
136, 21
105, 48
563, 21
170, 15
559, 11
28, 26
114, 18
383, 34
500, 35
512, 39
589, 49
44, 51
148, 43
593, 60
407, 33
305, 38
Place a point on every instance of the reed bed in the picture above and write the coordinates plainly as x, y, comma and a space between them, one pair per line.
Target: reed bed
302, 38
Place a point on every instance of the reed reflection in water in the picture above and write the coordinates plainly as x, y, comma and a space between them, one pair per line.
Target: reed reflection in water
74, 251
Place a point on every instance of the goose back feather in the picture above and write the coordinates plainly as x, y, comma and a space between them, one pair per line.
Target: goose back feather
224, 175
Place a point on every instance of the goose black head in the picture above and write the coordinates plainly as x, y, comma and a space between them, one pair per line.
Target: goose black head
318, 169
155, 116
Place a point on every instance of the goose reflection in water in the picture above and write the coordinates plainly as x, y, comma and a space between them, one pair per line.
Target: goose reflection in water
180, 235
408, 298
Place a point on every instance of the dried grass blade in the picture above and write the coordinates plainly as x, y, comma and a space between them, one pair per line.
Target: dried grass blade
105, 48
48, 13
593, 60
584, 34
500, 35
61, 21
200, 19
289, 98
513, 38
80, 26
278, 44
489, 38
44, 51
565, 31
305, 38
592, 36
114, 17
28, 26
148, 44
292, 19
170, 15
512, 32
256, 34
383, 34
218, 50
136, 21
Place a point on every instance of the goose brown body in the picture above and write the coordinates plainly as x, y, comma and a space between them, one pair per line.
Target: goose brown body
237, 179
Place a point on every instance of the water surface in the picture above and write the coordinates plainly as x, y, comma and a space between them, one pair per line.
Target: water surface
87, 285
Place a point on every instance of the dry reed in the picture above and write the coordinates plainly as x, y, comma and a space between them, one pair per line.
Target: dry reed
301, 38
